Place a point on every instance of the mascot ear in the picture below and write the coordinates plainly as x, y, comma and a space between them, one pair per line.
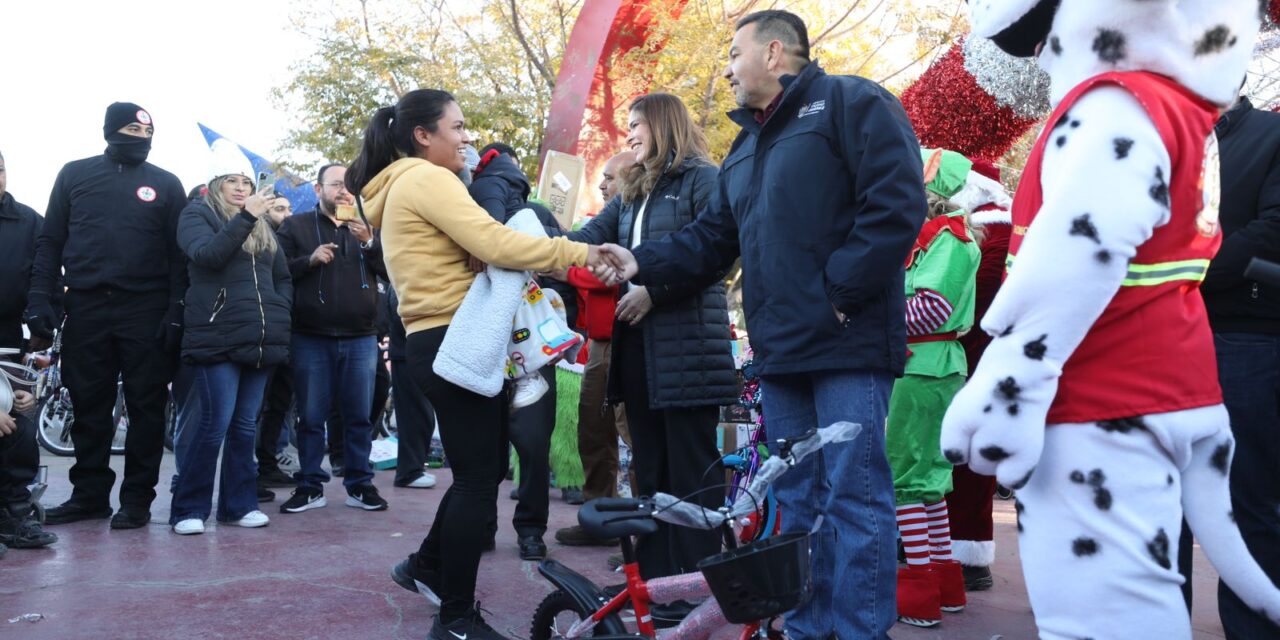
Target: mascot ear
1016, 26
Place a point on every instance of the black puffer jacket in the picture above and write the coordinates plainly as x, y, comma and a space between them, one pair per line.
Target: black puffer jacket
687, 353
237, 305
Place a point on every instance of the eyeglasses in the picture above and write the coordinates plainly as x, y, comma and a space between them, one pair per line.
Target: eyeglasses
334, 185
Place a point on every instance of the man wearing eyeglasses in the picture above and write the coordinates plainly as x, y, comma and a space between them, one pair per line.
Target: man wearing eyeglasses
335, 264
110, 231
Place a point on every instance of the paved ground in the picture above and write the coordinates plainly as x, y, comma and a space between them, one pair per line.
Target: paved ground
323, 574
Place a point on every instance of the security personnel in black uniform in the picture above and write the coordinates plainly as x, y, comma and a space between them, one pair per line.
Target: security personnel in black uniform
111, 230
19, 454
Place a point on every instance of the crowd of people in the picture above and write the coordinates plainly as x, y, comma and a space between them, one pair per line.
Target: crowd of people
867, 265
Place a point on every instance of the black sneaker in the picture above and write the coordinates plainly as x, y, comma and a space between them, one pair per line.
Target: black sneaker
303, 500
265, 494
532, 548
130, 519
366, 497
468, 627
410, 578
276, 479
23, 531
69, 512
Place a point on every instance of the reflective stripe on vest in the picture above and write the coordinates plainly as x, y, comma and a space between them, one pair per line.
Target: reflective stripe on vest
1150, 275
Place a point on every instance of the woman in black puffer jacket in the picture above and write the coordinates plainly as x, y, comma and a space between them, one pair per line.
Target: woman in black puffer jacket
237, 329
672, 365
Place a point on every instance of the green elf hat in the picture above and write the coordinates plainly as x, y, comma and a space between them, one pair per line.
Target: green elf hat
945, 172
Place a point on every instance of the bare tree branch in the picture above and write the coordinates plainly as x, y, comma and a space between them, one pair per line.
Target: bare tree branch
519, 33
831, 27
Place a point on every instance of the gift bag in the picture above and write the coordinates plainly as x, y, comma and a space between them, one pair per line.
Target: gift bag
540, 333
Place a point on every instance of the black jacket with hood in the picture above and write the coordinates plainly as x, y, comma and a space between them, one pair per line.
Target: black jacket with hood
19, 229
237, 304
1249, 148
339, 299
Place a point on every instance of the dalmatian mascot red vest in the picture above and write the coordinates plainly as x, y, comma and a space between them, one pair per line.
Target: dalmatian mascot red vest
1100, 331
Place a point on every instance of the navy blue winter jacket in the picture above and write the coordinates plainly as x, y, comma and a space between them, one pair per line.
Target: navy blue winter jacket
822, 202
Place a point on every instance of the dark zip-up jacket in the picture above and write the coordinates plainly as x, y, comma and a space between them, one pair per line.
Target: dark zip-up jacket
19, 230
1249, 148
237, 304
111, 224
822, 202
339, 299
688, 358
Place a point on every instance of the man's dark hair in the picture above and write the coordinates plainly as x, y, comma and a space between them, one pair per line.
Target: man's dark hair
783, 26
320, 174
500, 147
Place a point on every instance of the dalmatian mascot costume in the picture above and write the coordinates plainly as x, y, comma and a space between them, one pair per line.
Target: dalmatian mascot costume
1099, 330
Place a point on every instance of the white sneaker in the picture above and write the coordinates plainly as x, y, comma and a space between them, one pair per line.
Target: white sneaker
253, 520
425, 481
528, 390
189, 527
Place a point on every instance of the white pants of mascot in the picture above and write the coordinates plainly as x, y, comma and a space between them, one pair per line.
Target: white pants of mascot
1100, 504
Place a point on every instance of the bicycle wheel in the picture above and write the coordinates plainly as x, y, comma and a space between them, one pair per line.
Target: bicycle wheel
554, 616
53, 424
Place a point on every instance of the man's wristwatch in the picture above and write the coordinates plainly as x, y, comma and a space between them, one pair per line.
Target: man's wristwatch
367, 245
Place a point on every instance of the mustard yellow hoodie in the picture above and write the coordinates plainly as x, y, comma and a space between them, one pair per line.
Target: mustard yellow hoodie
430, 225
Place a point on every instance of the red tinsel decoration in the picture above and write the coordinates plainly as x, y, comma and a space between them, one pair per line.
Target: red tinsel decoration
949, 110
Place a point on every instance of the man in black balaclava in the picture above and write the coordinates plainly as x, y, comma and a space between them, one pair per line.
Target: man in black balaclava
110, 229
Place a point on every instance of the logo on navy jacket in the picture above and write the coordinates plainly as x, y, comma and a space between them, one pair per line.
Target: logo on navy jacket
812, 108
146, 194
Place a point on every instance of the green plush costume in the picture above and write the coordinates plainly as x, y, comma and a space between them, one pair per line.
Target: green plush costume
940, 285
566, 465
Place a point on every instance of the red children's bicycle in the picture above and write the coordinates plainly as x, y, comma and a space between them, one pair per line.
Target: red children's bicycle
749, 585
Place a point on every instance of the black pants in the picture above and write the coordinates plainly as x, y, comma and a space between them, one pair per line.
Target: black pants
335, 430
531, 429
112, 334
670, 451
19, 462
473, 429
274, 410
415, 424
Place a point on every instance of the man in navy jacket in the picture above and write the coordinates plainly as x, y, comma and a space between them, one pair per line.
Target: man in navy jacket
821, 195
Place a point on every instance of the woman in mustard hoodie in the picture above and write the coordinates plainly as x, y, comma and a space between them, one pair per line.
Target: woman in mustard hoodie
406, 174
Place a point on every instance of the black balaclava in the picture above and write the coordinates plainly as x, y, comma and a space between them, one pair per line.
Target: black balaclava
122, 146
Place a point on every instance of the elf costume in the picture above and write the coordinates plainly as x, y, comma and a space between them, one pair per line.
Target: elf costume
940, 299
1098, 397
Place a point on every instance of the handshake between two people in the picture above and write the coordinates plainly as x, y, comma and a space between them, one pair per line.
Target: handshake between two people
612, 264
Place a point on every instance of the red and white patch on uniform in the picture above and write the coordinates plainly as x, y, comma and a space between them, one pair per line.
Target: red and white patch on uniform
1207, 222
144, 117
146, 194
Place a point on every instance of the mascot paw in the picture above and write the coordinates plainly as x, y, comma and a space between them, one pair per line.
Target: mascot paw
996, 423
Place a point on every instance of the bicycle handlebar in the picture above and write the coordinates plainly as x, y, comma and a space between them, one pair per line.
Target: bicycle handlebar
673, 510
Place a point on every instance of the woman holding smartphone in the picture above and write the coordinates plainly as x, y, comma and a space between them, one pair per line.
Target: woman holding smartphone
237, 329
406, 174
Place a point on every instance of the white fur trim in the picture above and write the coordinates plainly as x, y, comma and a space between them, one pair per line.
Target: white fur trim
974, 553
980, 190
990, 17
990, 217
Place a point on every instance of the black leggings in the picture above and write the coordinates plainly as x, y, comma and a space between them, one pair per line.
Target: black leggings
473, 430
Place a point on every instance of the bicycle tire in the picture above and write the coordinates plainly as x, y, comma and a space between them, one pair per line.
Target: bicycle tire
51, 419
542, 627
119, 416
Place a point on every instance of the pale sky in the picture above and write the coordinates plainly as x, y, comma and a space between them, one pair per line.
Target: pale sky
62, 63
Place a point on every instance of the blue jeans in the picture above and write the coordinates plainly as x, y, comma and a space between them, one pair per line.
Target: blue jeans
850, 486
1249, 369
325, 369
219, 409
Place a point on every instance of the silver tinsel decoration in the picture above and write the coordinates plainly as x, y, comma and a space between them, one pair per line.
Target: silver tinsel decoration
1018, 83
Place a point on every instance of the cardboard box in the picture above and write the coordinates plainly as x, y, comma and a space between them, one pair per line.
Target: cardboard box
560, 183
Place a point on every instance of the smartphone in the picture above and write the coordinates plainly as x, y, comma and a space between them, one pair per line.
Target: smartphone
266, 180
346, 213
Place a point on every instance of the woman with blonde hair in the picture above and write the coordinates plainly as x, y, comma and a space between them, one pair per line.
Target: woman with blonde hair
672, 364
237, 328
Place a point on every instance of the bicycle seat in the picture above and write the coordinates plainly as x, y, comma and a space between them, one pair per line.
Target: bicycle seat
617, 517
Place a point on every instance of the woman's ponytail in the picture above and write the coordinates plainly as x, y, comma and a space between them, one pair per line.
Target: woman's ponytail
376, 152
